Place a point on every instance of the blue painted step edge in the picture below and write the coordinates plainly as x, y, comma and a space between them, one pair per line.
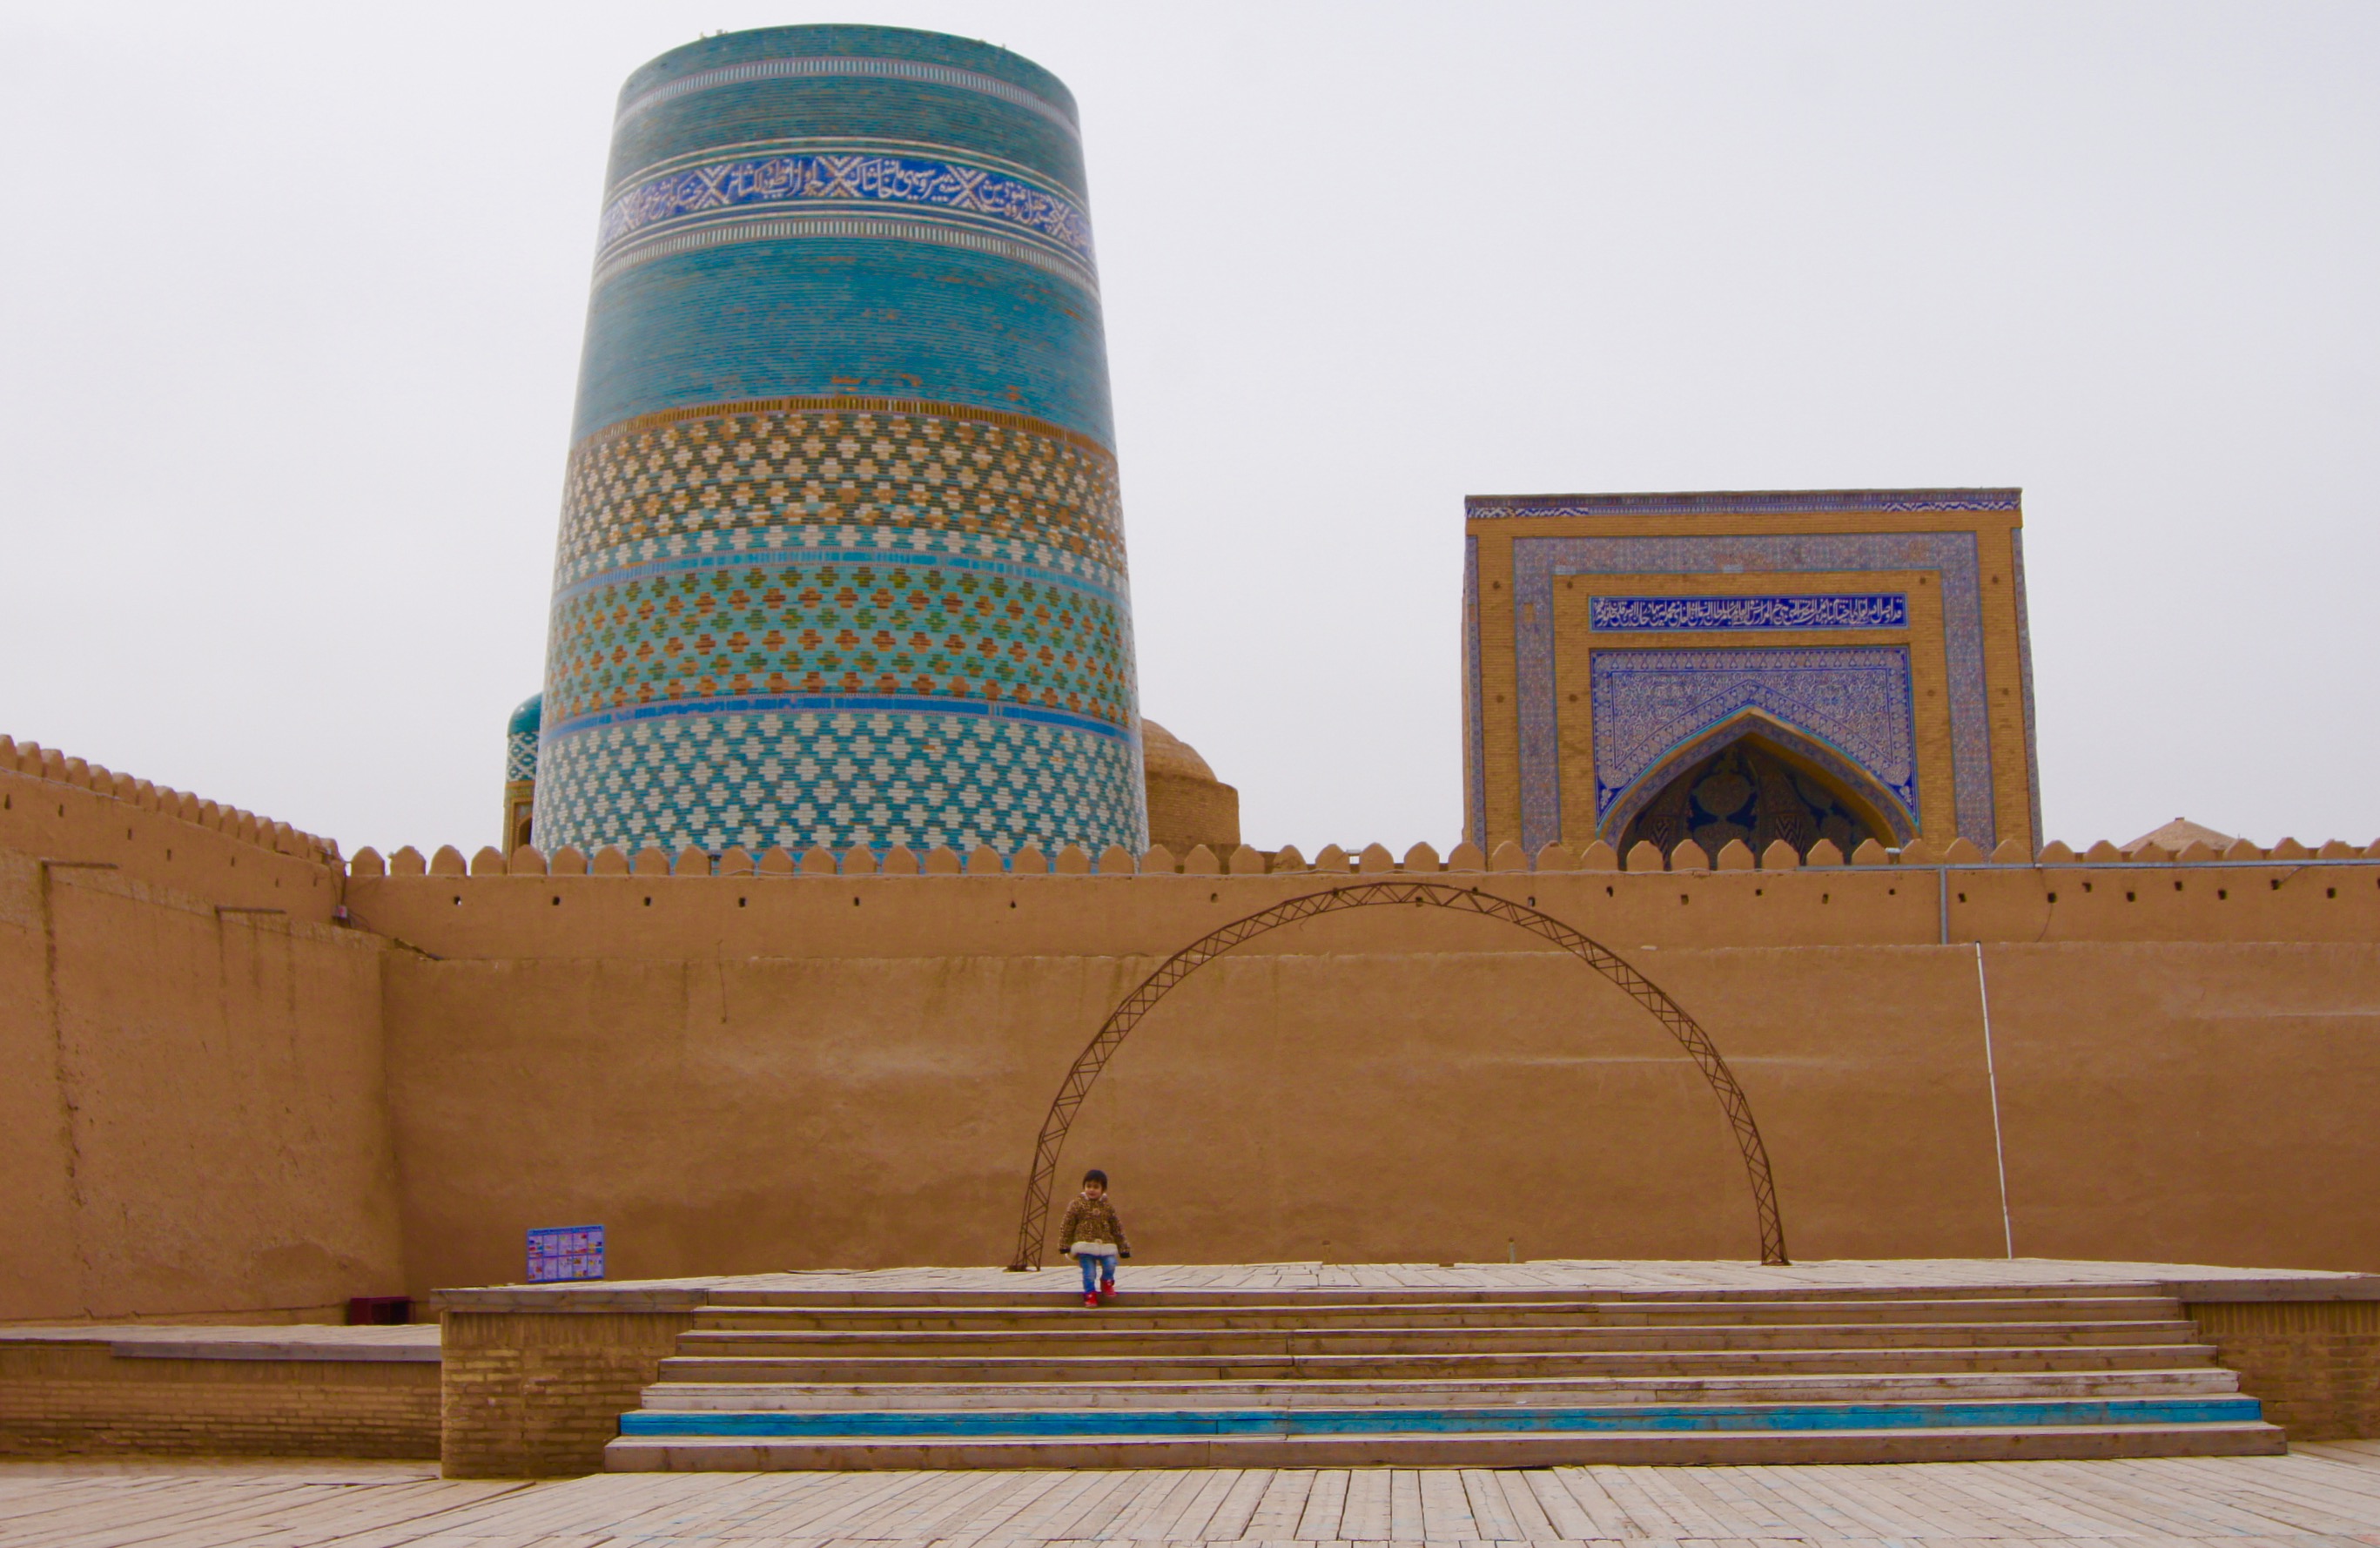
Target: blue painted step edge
1399, 1421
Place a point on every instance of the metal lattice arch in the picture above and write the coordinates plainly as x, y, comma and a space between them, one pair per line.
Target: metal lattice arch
1376, 895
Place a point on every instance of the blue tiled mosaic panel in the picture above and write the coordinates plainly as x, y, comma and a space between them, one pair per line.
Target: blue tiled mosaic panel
878, 778
1647, 703
1952, 556
1743, 794
1877, 610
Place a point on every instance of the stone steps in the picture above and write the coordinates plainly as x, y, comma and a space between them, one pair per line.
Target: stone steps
1391, 1367
774, 1380
1321, 1300
1091, 1339
2210, 1381
1130, 1312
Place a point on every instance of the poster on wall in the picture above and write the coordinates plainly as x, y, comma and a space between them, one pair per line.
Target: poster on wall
566, 1253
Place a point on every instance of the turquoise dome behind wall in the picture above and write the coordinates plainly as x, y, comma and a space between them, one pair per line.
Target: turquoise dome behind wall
842, 556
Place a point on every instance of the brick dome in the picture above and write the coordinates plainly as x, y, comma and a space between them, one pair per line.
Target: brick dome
1187, 805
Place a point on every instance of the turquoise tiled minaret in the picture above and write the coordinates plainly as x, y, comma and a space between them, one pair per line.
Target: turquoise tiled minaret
842, 559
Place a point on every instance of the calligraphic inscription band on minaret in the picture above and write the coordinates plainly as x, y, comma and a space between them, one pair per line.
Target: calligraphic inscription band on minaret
842, 556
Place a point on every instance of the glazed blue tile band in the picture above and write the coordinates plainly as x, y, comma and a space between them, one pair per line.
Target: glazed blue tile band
1399, 1418
1882, 610
881, 69
851, 177
831, 703
931, 231
1104, 586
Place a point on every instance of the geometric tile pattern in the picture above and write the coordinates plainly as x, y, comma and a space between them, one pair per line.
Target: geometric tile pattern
520, 740
933, 478
520, 756
1648, 704
915, 777
1881, 610
780, 559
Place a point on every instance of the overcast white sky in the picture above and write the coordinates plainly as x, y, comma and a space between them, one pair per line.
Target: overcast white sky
291, 300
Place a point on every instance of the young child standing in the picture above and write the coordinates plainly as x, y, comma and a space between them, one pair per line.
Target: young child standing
1094, 1234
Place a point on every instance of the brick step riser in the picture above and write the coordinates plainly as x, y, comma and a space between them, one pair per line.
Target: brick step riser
1436, 1296
1701, 1448
700, 1397
1128, 1312
681, 1368
1183, 1344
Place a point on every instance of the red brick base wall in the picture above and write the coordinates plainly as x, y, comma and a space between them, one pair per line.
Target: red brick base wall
537, 1395
2314, 1363
62, 1399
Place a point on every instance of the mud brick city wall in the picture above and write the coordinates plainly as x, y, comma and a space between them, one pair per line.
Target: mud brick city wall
193, 1109
246, 1077
62, 1399
537, 1395
2183, 1057
2315, 1364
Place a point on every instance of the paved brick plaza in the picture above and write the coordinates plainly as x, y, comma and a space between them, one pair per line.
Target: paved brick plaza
2324, 1493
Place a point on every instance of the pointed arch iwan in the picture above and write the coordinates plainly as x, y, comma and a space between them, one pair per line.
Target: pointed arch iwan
1861, 790
1032, 1227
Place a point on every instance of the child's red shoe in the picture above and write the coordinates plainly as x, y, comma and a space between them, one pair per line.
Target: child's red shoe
1107, 1292
1090, 1298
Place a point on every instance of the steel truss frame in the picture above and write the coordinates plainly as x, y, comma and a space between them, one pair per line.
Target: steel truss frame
1094, 1058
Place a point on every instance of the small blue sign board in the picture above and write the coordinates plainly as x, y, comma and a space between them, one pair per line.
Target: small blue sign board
566, 1253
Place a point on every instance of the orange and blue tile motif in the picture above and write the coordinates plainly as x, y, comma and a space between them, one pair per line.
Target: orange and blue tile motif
842, 557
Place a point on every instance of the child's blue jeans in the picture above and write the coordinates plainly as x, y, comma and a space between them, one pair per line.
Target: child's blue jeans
1095, 1266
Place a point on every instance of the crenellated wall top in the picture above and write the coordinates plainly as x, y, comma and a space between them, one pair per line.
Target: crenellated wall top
33, 760
1332, 859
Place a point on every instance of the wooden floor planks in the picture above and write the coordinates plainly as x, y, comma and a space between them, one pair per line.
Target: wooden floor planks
2324, 1495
